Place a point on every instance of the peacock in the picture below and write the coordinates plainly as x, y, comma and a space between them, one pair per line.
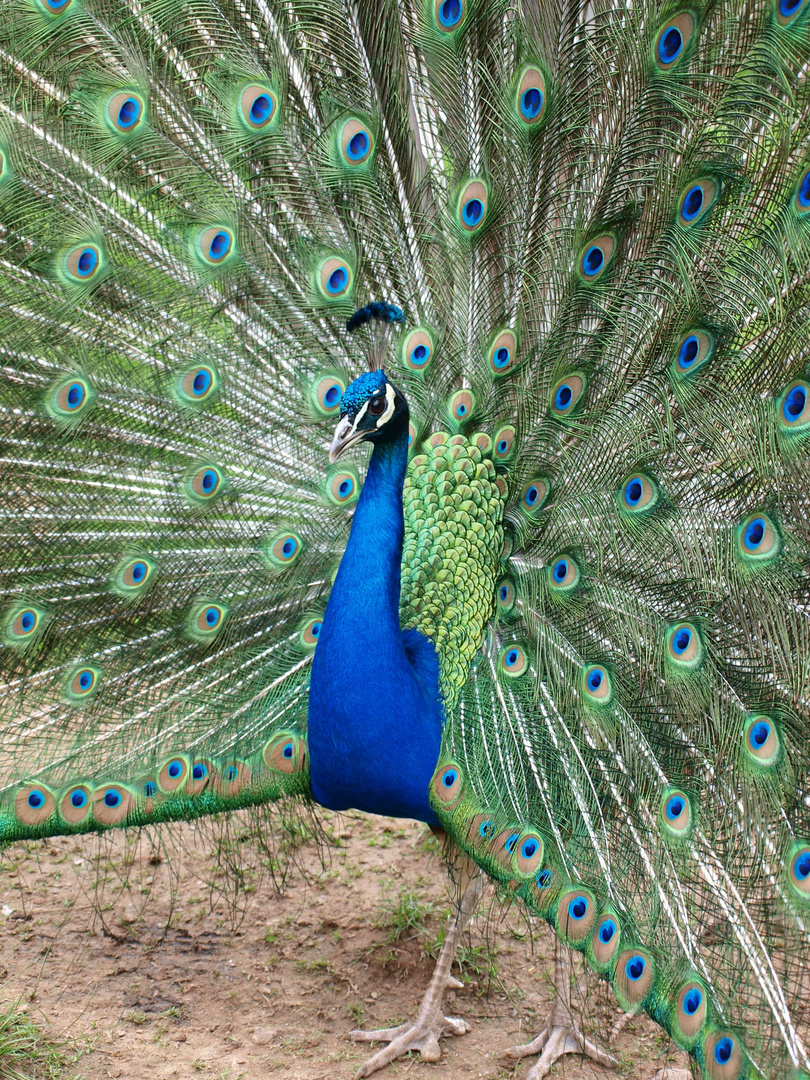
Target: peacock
550, 259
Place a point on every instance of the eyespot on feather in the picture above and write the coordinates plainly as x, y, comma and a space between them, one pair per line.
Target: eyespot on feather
534, 495
675, 813
34, 804
684, 645
355, 143
481, 830
793, 406
605, 940
23, 624
334, 278
134, 574
111, 803
788, 10
596, 257
448, 783
471, 206
761, 740
174, 773
757, 539
215, 244
638, 494
723, 1057
632, 978
70, 398
563, 574
448, 15
576, 914
204, 775
505, 596
125, 112
460, 407
799, 870
673, 41
513, 661
343, 487
695, 348
197, 384
82, 682
258, 107
527, 854
205, 483
74, 804
530, 97
597, 685
566, 392
233, 777
801, 198
503, 847
285, 752
503, 443
696, 200
502, 355
207, 620
327, 390
309, 632
690, 1011
56, 7
81, 263
281, 550
417, 349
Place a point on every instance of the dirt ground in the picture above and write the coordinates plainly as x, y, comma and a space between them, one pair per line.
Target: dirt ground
246, 982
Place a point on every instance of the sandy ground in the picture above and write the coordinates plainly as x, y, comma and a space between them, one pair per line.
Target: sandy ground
141, 969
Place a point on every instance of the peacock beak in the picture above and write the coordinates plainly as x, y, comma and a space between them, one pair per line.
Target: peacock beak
345, 436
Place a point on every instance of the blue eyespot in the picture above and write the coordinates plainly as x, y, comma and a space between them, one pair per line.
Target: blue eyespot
754, 532
150, 789
560, 570
634, 968
511, 658
503, 446
592, 260
212, 616
36, 799
801, 865
670, 45
531, 495
87, 262
336, 281
578, 907
803, 194
633, 491
528, 848
595, 678
472, 211
501, 357
544, 879
486, 830
332, 396
419, 355
449, 13
315, 629
128, 113
562, 398
789, 7
688, 351
86, 680
531, 102
723, 1049
692, 203
288, 750
504, 593
692, 1001
795, 401
219, 247
138, 572
75, 395
674, 807
28, 621
112, 798
606, 931
509, 845
681, 640
201, 382
288, 548
261, 110
759, 734
200, 771
449, 777
209, 481
175, 769
231, 773
78, 799
357, 146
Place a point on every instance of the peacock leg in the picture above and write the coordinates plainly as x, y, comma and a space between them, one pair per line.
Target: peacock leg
561, 1034
431, 1024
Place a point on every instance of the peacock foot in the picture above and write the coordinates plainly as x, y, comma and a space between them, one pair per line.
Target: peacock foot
551, 1044
422, 1035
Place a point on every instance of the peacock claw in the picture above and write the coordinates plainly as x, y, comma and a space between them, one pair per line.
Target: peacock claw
551, 1044
422, 1035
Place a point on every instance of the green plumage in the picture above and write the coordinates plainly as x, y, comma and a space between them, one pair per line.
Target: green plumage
596, 220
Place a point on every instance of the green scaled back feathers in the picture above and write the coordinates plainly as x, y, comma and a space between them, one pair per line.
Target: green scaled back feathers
597, 223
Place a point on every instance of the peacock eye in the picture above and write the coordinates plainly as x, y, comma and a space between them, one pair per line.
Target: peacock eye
377, 406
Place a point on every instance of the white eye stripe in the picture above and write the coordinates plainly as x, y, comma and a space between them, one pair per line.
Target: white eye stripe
389, 397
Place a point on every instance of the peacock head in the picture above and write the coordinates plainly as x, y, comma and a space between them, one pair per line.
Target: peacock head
371, 409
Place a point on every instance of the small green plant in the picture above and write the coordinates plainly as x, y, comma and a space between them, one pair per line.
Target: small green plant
24, 1053
404, 915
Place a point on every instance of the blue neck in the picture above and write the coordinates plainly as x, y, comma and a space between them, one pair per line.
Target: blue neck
375, 714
